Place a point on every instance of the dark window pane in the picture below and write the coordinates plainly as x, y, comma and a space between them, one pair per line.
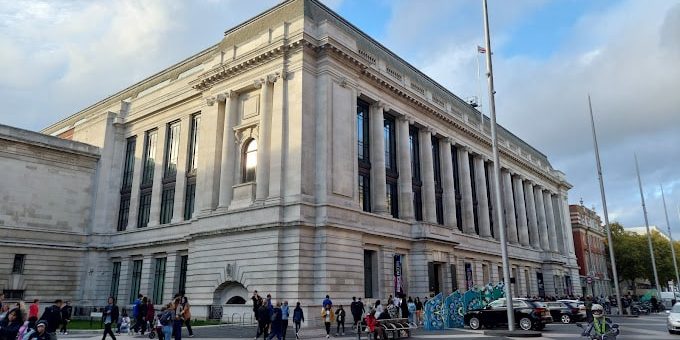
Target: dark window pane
488, 195
184, 261
123, 211
129, 166
475, 205
362, 130
415, 153
18, 265
144, 208
115, 280
171, 150
167, 203
159, 280
418, 204
392, 198
193, 144
189, 198
368, 273
136, 280
456, 184
149, 157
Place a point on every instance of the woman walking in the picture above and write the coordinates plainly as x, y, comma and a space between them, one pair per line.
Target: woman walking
419, 311
327, 316
110, 317
186, 310
298, 317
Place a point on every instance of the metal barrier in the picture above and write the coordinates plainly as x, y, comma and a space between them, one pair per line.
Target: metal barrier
243, 318
215, 312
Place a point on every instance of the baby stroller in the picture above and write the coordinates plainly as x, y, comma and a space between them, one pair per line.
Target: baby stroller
157, 329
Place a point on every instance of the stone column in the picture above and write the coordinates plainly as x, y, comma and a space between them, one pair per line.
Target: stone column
136, 180
467, 206
531, 215
181, 177
146, 282
228, 150
509, 207
158, 174
492, 201
427, 175
550, 218
263, 144
377, 152
171, 266
124, 281
482, 199
406, 211
559, 228
542, 225
449, 194
209, 152
567, 220
522, 225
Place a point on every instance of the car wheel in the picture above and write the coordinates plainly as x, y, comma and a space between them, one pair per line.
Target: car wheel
525, 323
566, 319
475, 323
670, 332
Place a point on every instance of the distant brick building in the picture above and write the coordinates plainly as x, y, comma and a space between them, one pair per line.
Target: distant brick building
589, 242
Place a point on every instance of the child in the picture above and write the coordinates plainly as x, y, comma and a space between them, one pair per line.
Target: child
125, 324
340, 319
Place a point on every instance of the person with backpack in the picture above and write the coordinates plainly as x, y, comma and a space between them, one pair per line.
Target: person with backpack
298, 317
110, 317
276, 328
166, 320
52, 315
327, 316
263, 318
285, 313
340, 320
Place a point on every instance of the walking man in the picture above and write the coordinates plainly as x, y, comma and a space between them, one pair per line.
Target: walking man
110, 317
66, 312
52, 315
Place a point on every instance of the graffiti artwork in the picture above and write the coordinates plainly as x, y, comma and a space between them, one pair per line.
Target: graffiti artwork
434, 313
449, 312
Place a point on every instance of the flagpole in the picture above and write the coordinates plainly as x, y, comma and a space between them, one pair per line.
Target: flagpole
649, 235
479, 92
668, 223
497, 175
604, 210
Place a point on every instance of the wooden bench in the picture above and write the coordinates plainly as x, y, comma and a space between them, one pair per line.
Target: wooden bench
397, 328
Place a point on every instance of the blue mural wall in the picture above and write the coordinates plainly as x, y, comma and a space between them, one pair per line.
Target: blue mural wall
448, 312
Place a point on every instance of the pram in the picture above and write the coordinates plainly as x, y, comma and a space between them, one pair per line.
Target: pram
157, 329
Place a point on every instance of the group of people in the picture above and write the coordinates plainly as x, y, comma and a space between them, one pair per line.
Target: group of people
19, 323
167, 323
272, 319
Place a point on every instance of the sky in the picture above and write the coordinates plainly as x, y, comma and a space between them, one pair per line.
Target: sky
59, 57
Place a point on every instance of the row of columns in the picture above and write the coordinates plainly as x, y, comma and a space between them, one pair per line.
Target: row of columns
531, 218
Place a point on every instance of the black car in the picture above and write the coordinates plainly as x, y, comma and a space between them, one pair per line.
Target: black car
529, 314
565, 312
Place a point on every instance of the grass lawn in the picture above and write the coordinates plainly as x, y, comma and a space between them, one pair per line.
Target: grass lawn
97, 324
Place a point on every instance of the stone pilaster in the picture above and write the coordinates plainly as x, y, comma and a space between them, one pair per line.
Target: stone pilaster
406, 211
482, 199
559, 227
542, 224
181, 177
264, 144
228, 150
171, 284
136, 180
124, 281
531, 215
427, 175
146, 284
550, 218
209, 153
522, 224
449, 194
467, 206
511, 223
158, 173
377, 152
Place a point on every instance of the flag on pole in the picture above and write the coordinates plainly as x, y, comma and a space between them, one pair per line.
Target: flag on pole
481, 49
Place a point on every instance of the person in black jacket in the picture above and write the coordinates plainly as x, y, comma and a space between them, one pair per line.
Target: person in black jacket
9, 326
41, 331
52, 315
263, 319
110, 317
66, 311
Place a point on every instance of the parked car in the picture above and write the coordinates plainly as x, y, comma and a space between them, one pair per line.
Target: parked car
529, 314
578, 303
565, 312
673, 319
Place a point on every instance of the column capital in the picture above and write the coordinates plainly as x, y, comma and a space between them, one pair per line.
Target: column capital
210, 101
379, 104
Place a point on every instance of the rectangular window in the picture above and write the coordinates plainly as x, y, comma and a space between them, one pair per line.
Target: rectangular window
123, 211
149, 157
136, 279
190, 197
454, 278
456, 184
364, 179
167, 203
171, 150
370, 273
392, 198
184, 261
434, 276
115, 280
469, 276
18, 265
13, 294
159, 280
129, 166
193, 144
475, 205
489, 200
416, 183
144, 208
438, 190
391, 169
485, 274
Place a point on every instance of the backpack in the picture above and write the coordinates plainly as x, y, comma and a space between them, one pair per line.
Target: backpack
165, 318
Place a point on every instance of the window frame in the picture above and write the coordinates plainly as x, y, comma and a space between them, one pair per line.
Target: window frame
391, 167
456, 184
249, 174
160, 267
438, 189
115, 279
135, 279
416, 182
364, 163
18, 264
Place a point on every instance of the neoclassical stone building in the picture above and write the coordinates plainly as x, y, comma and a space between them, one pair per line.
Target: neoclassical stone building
300, 157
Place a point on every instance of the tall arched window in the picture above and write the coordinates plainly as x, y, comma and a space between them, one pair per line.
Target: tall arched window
249, 161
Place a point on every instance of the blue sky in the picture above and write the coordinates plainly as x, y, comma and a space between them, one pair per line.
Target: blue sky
62, 56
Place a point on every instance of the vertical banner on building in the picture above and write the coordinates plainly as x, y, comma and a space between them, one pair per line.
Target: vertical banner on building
539, 282
469, 282
398, 287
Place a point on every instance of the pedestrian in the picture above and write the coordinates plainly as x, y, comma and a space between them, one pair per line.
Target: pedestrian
356, 312
378, 308
654, 302
419, 311
150, 314
52, 315
33, 311
340, 320
66, 312
109, 317
41, 331
327, 301
411, 310
327, 316
136, 313
393, 310
178, 320
25, 331
166, 320
263, 317
298, 317
257, 300
285, 313
186, 309
276, 323
372, 324
9, 326
404, 307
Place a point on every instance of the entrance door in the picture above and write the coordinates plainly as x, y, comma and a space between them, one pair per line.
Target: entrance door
434, 272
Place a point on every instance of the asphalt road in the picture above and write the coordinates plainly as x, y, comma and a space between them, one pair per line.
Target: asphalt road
649, 327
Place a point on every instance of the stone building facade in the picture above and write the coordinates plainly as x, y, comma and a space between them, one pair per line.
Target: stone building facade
590, 239
299, 157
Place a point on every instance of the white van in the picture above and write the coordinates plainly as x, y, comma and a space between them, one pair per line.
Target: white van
668, 297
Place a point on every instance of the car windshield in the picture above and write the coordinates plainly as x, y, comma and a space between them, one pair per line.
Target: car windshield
676, 309
538, 304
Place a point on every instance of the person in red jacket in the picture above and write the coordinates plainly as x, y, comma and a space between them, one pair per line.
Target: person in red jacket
150, 314
33, 311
